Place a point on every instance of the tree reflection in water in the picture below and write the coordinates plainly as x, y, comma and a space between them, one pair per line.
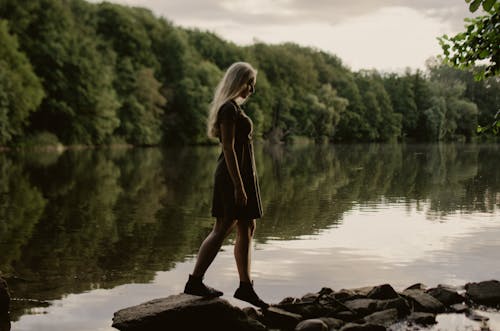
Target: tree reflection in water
87, 219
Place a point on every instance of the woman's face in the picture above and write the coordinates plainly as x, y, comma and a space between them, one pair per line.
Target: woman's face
248, 89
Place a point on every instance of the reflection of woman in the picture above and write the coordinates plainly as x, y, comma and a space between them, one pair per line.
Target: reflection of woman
236, 195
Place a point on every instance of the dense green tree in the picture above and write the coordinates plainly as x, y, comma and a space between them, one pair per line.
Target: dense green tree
20, 89
108, 70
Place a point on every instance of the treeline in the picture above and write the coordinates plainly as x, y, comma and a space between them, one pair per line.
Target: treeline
73, 72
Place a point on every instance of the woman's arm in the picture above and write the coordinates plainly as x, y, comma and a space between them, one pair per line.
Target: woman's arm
227, 132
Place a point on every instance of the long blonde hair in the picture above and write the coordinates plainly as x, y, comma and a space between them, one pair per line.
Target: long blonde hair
234, 81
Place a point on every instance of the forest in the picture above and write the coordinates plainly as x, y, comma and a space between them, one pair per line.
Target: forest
76, 73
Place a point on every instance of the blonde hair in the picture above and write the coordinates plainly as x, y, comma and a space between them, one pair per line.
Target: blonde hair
234, 81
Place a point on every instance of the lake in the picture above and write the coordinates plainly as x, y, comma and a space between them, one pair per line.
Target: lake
87, 232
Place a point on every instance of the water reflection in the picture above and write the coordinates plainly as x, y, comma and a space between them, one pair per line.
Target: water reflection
96, 219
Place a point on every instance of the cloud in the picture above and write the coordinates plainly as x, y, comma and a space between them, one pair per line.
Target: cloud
289, 12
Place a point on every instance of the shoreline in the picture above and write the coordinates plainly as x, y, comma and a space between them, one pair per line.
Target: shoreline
368, 308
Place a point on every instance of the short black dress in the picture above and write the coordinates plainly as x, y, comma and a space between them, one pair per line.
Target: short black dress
223, 202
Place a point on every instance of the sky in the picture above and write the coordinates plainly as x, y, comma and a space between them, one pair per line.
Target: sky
387, 35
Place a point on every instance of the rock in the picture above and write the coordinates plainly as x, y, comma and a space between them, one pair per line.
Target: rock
4, 297
188, 312
362, 291
325, 291
383, 292
422, 318
332, 323
363, 327
486, 293
312, 325
459, 308
423, 302
400, 304
344, 295
445, 295
385, 317
309, 297
5, 322
417, 286
253, 313
306, 309
289, 300
362, 307
281, 319
472, 315
346, 316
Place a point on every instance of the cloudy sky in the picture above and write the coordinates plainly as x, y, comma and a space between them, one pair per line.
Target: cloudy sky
388, 35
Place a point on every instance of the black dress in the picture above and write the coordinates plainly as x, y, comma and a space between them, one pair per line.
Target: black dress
223, 202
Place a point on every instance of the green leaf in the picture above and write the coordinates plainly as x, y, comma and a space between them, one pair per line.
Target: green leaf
488, 4
479, 129
474, 5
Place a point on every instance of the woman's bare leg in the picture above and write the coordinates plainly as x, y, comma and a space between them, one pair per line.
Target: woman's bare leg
242, 254
243, 248
211, 245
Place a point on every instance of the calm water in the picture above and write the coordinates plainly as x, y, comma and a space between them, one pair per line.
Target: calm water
87, 232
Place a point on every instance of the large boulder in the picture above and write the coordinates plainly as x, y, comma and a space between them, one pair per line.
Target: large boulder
314, 324
184, 312
446, 295
4, 297
362, 307
281, 319
487, 293
385, 317
383, 292
423, 302
422, 318
363, 327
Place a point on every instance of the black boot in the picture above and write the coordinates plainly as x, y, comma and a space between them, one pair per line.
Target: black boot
246, 293
195, 286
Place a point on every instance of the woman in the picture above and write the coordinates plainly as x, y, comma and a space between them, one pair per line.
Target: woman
236, 196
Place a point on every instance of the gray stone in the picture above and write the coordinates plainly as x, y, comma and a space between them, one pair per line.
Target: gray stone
423, 302
362, 307
344, 295
459, 308
486, 293
417, 286
4, 297
383, 292
445, 295
346, 316
189, 312
363, 327
472, 315
422, 318
332, 323
5, 322
253, 313
278, 318
385, 317
312, 325
309, 297
307, 310
289, 300
400, 304
362, 291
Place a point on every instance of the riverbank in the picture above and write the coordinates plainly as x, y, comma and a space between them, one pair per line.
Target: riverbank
367, 308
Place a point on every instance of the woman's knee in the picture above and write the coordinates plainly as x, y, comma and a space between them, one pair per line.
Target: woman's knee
246, 227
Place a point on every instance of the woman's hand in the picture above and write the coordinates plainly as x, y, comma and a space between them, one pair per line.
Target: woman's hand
240, 196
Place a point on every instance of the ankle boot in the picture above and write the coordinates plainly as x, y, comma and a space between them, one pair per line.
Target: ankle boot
246, 293
195, 286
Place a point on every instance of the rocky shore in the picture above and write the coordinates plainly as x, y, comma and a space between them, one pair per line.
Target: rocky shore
369, 308
4, 305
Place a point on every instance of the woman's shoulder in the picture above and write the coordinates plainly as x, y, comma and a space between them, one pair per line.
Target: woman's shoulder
228, 109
